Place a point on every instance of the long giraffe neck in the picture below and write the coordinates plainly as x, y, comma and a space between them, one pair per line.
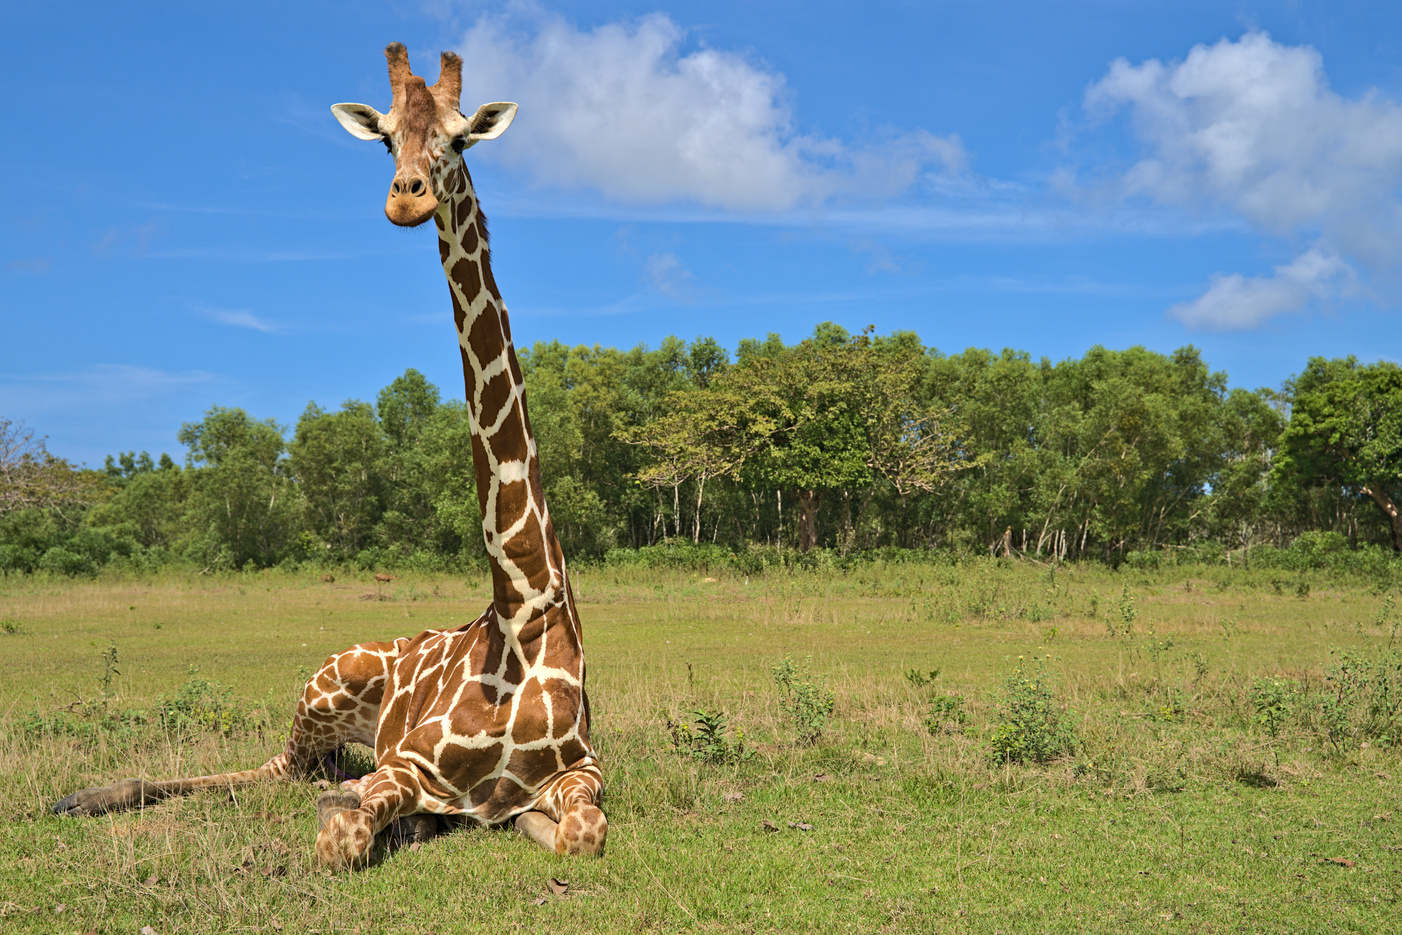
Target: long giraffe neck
528, 568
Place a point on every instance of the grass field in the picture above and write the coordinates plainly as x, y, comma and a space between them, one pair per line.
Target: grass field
1202, 774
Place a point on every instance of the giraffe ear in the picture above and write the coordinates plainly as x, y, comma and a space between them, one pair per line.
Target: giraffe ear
360, 120
490, 121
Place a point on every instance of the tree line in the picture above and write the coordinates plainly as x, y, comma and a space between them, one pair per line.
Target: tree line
841, 442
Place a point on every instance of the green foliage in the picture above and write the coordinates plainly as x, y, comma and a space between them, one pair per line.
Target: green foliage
1032, 727
204, 705
838, 447
1274, 701
89, 720
109, 669
804, 697
1363, 700
945, 715
243, 507
921, 679
1345, 430
708, 739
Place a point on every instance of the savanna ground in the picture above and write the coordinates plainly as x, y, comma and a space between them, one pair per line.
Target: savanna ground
1203, 772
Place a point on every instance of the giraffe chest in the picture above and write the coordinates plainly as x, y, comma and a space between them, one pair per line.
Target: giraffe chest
476, 713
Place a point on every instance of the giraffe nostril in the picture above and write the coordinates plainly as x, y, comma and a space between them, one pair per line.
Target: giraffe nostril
416, 188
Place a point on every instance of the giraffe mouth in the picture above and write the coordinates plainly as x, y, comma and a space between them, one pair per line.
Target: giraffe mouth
410, 212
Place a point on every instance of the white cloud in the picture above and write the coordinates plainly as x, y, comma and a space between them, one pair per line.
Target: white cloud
1252, 126
1236, 301
241, 318
623, 109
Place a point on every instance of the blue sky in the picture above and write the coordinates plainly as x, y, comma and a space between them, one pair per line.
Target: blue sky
186, 225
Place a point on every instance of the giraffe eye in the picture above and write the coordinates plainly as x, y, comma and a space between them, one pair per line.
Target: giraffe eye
388, 148
459, 144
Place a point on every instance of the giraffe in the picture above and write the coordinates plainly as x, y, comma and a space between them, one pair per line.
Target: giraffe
487, 722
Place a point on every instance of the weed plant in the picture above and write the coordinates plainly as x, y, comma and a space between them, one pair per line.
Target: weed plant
1032, 726
707, 738
805, 698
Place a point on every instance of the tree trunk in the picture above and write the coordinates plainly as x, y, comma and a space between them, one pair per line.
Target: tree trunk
808, 519
696, 528
676, 511
779, 533
1381, 498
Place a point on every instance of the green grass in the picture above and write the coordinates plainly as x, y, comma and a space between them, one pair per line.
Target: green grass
1177, 809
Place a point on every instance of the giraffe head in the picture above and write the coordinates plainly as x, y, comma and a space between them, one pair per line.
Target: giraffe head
424, 131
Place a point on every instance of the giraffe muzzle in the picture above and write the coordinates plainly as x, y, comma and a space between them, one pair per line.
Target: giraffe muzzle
410, 201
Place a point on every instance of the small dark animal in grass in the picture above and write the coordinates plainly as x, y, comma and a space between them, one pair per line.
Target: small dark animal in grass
486, 722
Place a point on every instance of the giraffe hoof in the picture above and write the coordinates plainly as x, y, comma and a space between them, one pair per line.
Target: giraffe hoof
344, 842
124, 794
582, 832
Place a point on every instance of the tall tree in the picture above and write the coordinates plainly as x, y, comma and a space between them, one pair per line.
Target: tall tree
337, 460
1346, 428
242, 504
31, 478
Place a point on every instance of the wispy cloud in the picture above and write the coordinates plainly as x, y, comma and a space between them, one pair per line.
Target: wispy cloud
1252, 128
668, 276
253, 255
240, 318
101, 385
126, 239
627, 110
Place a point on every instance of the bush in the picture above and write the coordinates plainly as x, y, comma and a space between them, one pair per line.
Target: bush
1032, 728
805, 698
202, 705
1274, 700
61, 561
1364, 698
706, 739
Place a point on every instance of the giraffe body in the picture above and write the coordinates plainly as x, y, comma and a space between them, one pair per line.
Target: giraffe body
486, 722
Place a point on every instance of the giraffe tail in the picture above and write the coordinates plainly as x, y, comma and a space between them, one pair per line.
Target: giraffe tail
138, 793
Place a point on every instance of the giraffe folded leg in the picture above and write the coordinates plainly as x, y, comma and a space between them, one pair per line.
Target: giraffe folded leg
350, 822
568, 820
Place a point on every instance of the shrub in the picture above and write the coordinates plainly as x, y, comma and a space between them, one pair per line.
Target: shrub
706, 739
1364, 698
1032, 727
1274, 700
805, 698
61, 561
202, 705
946, 714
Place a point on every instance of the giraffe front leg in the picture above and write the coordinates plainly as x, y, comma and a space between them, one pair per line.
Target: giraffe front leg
349, 821
568, 819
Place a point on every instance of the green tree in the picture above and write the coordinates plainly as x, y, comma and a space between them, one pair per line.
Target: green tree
147, 506
337, 461
243, 508
1240, 508
1345, 429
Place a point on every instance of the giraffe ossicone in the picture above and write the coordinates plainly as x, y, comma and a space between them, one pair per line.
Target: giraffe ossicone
487, 722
